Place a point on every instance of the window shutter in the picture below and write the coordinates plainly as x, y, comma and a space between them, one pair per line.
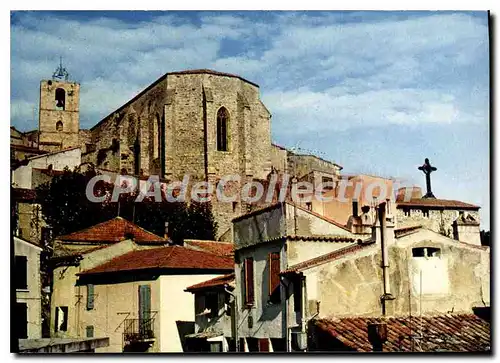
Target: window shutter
249, 288
90, 296
144, 302
274, 272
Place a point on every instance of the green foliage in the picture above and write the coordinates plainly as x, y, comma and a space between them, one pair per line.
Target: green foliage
66, 209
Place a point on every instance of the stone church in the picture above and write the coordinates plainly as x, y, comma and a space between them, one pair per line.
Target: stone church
201, 123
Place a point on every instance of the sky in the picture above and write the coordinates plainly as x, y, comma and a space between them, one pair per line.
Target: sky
376, 92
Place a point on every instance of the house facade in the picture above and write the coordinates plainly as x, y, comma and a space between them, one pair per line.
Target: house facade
266, 243
284, 282
138, 299
28, 308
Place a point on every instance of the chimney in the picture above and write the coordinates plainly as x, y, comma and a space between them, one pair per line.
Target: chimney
377, 335
354, 208
383, 234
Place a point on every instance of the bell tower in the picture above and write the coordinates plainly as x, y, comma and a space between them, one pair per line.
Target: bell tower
59, 119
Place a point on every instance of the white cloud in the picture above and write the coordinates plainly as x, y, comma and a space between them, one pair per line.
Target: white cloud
310, 67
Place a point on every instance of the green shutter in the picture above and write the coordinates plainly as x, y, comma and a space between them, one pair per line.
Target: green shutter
144, 302
90, 297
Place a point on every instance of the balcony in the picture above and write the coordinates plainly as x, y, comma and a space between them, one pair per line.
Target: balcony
138, 330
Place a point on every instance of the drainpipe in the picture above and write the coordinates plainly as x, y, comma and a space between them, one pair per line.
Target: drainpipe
286, 312
303, 303
385, 257
234, 318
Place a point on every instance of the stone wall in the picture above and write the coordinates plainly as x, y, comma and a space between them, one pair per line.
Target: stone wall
169, 129
456, 281
436, 220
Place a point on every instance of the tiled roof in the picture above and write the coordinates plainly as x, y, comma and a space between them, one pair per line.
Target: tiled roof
436, 203
316, 261
457, 333
114, 230
54, 153
216, 247
403, 231
22, 194
216, 282
168, 257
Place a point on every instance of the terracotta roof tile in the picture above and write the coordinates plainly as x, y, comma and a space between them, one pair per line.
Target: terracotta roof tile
216, 247
436, 203
216, 282
168, 257
316, 261
114, 230
455, 333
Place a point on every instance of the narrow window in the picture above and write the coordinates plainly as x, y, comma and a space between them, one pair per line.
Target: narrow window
60, 99
59, 126
297, 295
21, 325
274, 277
212, 304
90, 331
21, 267
61, 318
309, 206
249, 288
90, 297
222, 123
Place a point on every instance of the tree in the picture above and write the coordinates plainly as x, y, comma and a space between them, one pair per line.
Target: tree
66, 209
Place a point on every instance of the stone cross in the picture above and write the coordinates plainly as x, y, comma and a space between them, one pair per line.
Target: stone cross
427, 168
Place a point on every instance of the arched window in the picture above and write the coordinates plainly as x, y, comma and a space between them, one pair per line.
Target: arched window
222, 123
60, 99
59, 126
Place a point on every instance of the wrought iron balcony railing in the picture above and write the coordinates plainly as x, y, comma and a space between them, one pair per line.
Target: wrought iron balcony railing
136, 330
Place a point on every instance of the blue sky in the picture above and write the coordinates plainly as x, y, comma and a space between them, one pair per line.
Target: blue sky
376, 92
